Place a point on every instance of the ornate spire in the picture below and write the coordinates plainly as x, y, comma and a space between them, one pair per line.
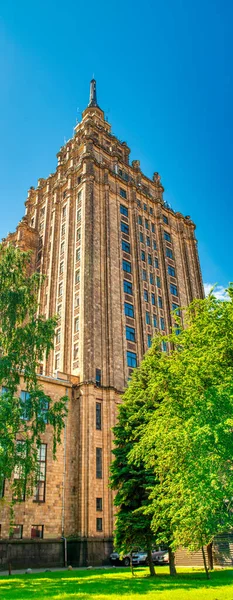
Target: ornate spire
93, 95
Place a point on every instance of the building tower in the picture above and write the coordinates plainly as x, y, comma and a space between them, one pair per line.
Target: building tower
117, 260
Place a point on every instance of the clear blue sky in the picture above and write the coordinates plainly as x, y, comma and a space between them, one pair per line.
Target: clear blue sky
164, 78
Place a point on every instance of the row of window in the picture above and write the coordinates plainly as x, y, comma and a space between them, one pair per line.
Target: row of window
128, 288
25, 406
124, 211
37, 531
19, 476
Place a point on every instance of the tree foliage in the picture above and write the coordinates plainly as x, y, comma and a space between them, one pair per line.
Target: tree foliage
178, 414
188, 440
25, 337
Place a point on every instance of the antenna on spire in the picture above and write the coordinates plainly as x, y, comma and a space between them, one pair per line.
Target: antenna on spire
93, 94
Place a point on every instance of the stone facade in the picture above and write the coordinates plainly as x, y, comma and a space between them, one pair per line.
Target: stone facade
117, 259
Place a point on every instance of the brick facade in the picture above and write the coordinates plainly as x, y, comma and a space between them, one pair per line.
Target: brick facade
108, 244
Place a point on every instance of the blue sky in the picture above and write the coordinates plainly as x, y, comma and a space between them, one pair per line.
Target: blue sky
165, 79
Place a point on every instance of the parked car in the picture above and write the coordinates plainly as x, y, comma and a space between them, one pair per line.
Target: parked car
139, 557
160, 557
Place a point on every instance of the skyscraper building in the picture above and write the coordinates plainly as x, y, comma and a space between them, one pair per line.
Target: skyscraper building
117, 260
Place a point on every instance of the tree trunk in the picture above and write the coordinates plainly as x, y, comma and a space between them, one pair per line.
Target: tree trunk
172, 566
210, 556
131, 564
205, 565
150, 562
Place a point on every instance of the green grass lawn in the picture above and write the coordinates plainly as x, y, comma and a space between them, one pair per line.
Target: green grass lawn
112, 584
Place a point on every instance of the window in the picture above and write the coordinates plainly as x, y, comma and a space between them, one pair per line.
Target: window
77, 276
129, 310
171, 271
147, 241
176, 307
124, 228
98, 416
63, 229
146, 296
128, 287
78, 215
98, 377
19, 471
154, 321
4, 390
138, 202
153, 299
37, 531
143, 256
141, 238
79, 200
154, 245
57, 361
43, 410
177, 331
152, 227
169, 253
149, 259
162, 324
164, 346
24, 404
64, 211
151, 279
62, 247
145, 206
60, 289
76, 300
126, 266
39, 491
42, 212
125, 246
2, 487
147, 318
64, 194
76, 325
146, 224
59, 310
160, 302
58, 336
16, 532
151, 211
98, 463
61, 268
130, 333
156, 263
124, 210
32, 221
158, 282
139, 220
167, 236
165, 219
78, 233
149, 340
76, 351
123, 193
99, 524
173, 289
78, 253
131, 359
143, 274
99, 504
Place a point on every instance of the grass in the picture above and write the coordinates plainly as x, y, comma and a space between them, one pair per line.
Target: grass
112, 584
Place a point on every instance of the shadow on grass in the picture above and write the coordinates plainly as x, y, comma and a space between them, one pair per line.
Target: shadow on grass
105, 582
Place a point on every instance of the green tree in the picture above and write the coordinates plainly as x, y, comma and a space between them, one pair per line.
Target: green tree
188, 440
25, 337
132, 480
